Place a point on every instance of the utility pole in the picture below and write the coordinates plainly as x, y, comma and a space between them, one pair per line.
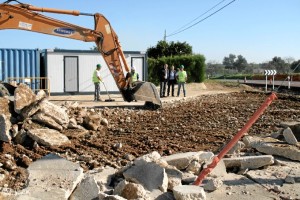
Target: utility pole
165, 36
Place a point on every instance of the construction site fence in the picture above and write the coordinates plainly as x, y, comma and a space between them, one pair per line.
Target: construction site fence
35, 83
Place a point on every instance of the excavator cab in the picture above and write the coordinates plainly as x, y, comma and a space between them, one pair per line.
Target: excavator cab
27, 17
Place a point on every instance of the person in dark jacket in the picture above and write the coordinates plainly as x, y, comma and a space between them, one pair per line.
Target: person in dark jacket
171, 80
163, 76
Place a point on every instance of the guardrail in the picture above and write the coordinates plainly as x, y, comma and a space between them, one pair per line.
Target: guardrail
35, 83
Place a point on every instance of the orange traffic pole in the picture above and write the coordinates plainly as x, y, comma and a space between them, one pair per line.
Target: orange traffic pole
235, 139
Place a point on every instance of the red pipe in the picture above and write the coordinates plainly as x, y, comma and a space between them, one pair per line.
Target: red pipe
235, 139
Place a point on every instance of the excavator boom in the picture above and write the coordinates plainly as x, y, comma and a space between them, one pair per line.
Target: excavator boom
26, 17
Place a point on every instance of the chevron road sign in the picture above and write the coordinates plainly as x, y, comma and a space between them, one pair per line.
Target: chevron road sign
270, 72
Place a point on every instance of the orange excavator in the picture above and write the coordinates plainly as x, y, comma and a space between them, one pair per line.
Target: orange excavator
27, 17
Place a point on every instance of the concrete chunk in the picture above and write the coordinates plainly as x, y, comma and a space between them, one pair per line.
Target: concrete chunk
103, 177
58, 114
249, 162
53, 177
273, 146
48, 121
189, 192
294, 126
182, 160
48, 137
86, 189
4, 106
130, 190
289, 136
24, 96
5, 126
150, 175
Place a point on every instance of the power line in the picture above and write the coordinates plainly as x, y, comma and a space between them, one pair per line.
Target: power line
201, 19
198, 17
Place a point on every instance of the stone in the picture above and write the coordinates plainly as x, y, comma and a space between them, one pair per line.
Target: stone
103, 196
104, 122
289, 136
189, 192
86, 189
103, 177
58, 114
4, 107
5, 126
131, 190
151, 157
236, 149
219, 170
249, 162
48, 121
24, 96
194, 167
294, 126
213, 184
273, 146
48, 137
92, 122
150, 175
52, 177
20, 137
182, 160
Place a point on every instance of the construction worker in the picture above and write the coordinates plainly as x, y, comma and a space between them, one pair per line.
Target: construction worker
97, 79
134, 75
181, 78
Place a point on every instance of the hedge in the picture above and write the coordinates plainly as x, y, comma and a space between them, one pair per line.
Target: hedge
194, 65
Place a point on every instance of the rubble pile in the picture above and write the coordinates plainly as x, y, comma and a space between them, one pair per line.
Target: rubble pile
21, 118
136, 154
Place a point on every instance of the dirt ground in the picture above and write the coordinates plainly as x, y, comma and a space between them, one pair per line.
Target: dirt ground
205, 120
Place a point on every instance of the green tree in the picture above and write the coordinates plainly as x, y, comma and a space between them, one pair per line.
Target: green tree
240, 63
165, 49
228, 62
295, 67
278, 64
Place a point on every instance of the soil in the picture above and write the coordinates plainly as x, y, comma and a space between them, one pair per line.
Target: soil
202, 122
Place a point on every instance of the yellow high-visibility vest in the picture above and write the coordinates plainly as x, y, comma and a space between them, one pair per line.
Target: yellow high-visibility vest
181, 76
95, 78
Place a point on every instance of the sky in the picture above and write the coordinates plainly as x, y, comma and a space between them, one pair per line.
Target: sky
256, 29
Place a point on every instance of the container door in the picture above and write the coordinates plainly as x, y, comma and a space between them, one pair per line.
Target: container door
71, 73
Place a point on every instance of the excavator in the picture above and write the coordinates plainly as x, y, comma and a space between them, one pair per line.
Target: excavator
27, 17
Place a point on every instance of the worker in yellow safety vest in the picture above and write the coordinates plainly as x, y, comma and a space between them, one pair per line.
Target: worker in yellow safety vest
96, 80
181, 78
131, 78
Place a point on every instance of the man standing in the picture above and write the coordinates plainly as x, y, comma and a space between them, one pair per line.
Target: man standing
181, 79
163, 80
171, 80
97, 79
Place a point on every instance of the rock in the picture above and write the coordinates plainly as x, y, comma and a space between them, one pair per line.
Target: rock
4, 107
48, 121
86, 189
130, 190
48, 137
24, 96
289, 179
182, 160
289, 136
189, 192
150, 175
92, 122
273, 146
194, 167
5, 126
103, 177
104, 122
103, 196
236, 149
249, 162
294, 126
213, 184
55, 112
52, 177
20, 137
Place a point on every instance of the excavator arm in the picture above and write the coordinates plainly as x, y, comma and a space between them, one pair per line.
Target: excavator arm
26, 17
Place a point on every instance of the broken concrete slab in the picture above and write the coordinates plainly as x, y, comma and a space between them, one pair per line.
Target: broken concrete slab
86, 189
219, 170
274, 178
273, 146
289, 136
182, 160
103, 176
48, 137
52, 177
239, 187
151, 157
5, 126
294, 126
4, 107
236, 149
249, 162
24, 96
58, 114
189, 192
150, 175
213, 184
48, 121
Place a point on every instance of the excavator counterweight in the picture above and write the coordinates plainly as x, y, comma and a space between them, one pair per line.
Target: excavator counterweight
27, 17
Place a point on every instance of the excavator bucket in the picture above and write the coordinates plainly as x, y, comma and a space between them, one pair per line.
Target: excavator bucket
144, 91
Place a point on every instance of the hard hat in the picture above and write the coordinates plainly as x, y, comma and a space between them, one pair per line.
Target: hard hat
98, 65
132, 68
181, 66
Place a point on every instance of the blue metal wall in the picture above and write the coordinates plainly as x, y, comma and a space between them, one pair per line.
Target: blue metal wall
20, 63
